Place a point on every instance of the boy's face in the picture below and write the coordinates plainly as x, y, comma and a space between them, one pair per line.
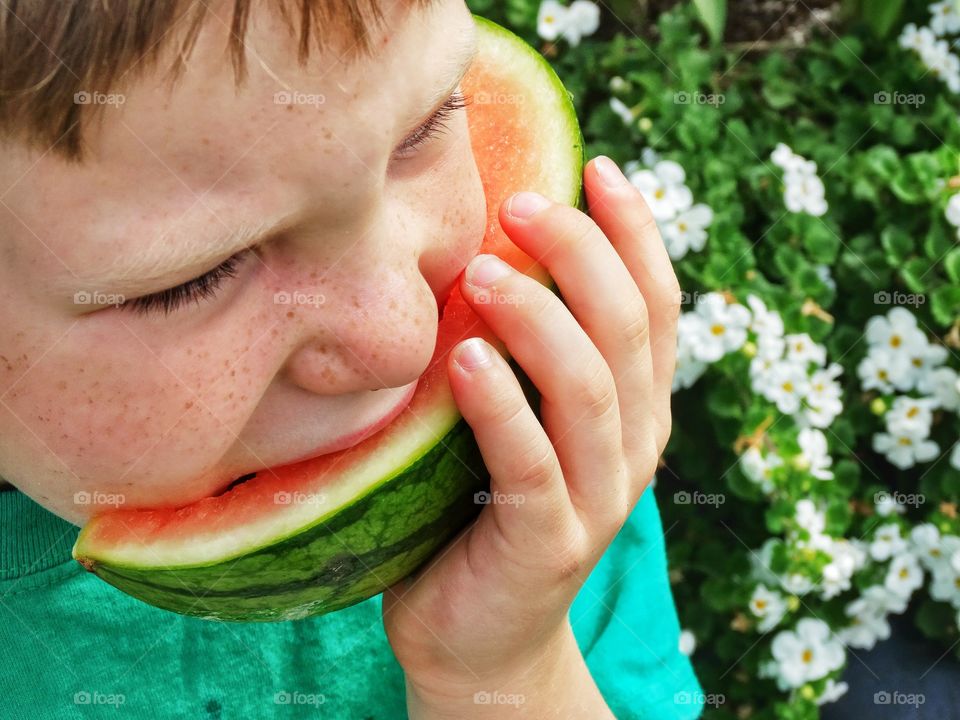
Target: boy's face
361, 241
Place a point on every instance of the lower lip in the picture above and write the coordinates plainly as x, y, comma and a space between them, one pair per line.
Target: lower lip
354, 438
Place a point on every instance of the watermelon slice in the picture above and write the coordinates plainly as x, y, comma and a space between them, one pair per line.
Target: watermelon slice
325, 533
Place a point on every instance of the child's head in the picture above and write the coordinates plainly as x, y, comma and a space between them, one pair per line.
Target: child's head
115, 185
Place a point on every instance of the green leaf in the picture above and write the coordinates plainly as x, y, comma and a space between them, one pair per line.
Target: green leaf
916, 275
713, 15
897, 243
945, 304
881, 15
951, 264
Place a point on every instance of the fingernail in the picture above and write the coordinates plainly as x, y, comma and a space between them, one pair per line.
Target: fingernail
473, 354
525, 204
484, 270
609, 172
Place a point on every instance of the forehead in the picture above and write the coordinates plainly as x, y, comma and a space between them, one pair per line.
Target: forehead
206, 150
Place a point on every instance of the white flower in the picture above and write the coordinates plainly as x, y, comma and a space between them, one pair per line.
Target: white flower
865, 629
904, 575
905, 450
943, 384
955, 456
663, 189
952, 210
786, 384
946, 584
846, 559
884, 370
622, 111
806, 654
768, 605
582, 18
823, 272
764, 322
919, 40
687, 642
823, 402
805, 194
832, 691
785, 158
910, 416
924, 358
897, 331
944, 18
687, 231
796, 583
887, 542
724, 327
925, 544
814, 452
810, 517
887, 505
943, 64
759, 469
802, 349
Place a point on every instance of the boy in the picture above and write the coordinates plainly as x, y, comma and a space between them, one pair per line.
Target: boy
146, 227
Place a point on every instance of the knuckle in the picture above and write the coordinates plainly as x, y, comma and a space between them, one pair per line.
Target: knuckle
568, 558
507, 411
636, 326
596, 390
537, 465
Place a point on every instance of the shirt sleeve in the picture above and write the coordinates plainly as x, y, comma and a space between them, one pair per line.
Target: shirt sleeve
625, 622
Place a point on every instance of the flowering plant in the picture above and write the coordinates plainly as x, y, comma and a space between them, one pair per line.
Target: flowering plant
809, 199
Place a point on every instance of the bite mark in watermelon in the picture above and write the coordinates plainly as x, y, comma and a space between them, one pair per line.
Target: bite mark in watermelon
322, 534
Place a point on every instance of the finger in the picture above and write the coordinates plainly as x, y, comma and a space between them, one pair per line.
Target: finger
577, 389
607, 303
528, 496
620, 210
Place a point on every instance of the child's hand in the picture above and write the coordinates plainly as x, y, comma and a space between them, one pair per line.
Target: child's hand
490, 613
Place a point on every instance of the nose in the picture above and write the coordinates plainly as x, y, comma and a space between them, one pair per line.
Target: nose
374, 321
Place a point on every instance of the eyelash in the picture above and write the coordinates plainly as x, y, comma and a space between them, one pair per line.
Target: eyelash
436, 123
206, 285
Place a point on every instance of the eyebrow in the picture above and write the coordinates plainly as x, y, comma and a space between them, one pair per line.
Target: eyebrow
166, 265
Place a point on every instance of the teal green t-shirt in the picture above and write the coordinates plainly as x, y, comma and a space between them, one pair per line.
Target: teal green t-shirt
78, 648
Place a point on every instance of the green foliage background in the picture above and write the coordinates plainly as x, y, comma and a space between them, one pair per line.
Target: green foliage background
886, 168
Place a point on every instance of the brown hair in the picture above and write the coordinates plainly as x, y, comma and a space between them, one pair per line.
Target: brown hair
52, 51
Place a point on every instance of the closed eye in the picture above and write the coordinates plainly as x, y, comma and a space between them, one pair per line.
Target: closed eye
434, 125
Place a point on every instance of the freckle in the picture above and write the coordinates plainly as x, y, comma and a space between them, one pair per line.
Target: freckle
61, 385
313, 275
226, 363
274, 332
187, 405
290, 313
230, 396
232, 373
327, 134
189, 351
242, 398
393, 304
